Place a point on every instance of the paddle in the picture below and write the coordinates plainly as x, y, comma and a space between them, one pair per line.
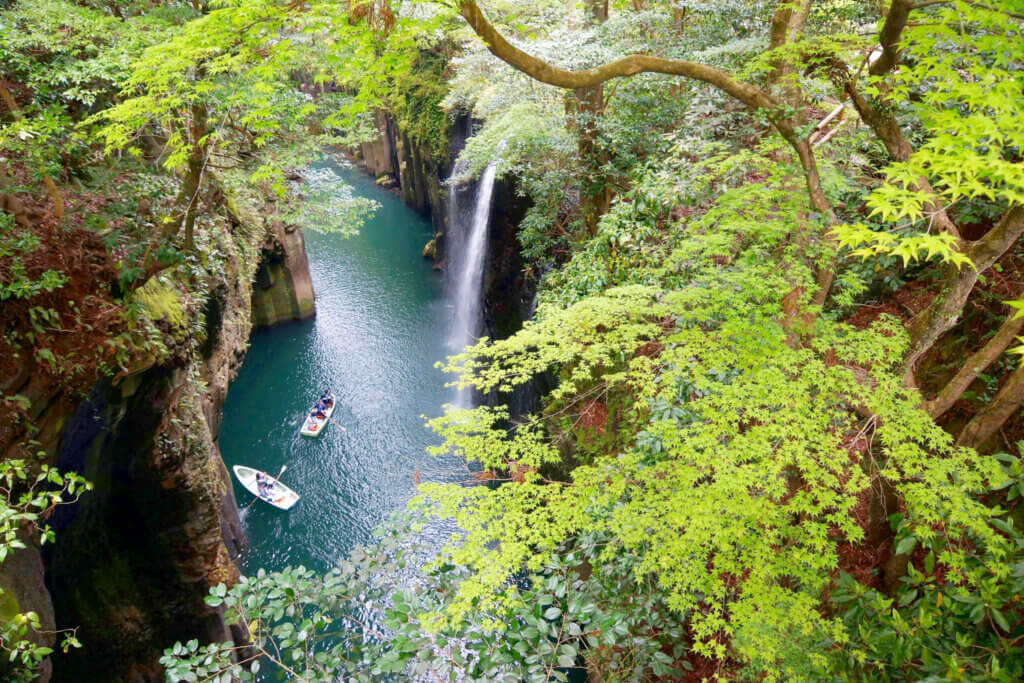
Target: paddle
277, 478
342, 428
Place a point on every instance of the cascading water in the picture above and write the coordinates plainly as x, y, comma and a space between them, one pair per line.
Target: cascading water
468, 269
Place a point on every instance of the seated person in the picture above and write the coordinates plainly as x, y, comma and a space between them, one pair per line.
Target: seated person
263, 485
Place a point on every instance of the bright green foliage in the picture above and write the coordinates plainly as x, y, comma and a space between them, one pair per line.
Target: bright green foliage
227, 80
936, 628
216, 64
963, 71
713, 432
415, 102
71, 58
710, 435
319, 626
90, 53
729, 472
867, 244
26, 499
966, 65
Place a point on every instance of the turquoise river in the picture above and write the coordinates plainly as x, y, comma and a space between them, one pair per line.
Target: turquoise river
381, 324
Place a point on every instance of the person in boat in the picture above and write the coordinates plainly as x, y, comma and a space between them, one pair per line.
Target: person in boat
326, 398
263, 485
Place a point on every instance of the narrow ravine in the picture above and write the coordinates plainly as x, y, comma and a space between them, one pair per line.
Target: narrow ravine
381, 324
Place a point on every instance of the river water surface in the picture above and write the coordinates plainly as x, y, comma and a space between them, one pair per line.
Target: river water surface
380, 326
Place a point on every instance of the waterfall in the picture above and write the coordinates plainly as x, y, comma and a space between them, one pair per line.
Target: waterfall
468, 268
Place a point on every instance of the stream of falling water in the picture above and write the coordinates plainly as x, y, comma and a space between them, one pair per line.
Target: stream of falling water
469, 271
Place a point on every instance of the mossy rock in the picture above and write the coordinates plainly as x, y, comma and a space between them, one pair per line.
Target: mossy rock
430, 249
161, 301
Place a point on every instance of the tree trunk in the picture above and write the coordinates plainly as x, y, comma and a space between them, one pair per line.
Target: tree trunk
974, 366
885, 126
986, 423
194, 173
881, 505
941, 315
587, 105
678, 19
597, 11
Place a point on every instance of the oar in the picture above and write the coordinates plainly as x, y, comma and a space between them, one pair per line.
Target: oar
342, 428
277, 478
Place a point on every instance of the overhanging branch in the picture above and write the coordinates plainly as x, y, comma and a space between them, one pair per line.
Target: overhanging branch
544, 72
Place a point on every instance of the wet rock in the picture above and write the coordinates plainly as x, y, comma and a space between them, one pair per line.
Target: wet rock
430, 249
283, 288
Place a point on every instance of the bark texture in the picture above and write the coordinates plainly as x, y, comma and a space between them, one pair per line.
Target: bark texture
974, 366
941, 315
540, 70
986, 423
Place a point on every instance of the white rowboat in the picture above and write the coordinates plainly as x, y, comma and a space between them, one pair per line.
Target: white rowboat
280, 496
314, 425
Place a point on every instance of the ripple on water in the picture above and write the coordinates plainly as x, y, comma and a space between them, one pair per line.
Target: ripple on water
381, 324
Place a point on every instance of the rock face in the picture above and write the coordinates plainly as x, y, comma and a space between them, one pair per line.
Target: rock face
508, 292
21, 576
508, 295
395, 160
380, 157
134, 558
283, 290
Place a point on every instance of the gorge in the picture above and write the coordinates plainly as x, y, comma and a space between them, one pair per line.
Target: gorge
732, 292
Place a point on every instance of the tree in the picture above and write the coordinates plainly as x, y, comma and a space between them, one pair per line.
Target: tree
734, 471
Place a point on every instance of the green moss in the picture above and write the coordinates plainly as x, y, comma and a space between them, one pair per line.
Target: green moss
161, 301
416, 104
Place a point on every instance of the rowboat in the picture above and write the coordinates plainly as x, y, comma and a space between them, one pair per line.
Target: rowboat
313, 424
280, 496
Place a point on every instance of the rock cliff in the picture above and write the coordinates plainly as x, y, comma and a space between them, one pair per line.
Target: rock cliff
283, 289
135, 557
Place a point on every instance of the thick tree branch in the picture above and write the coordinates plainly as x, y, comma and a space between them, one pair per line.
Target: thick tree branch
887, 129
787, 22
1007, 231
942, 314
994, 416
889, 37
880, 118
974, 366
540, 70
747, 93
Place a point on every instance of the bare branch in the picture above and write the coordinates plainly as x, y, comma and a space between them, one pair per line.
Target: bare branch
974, 366
988, 421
